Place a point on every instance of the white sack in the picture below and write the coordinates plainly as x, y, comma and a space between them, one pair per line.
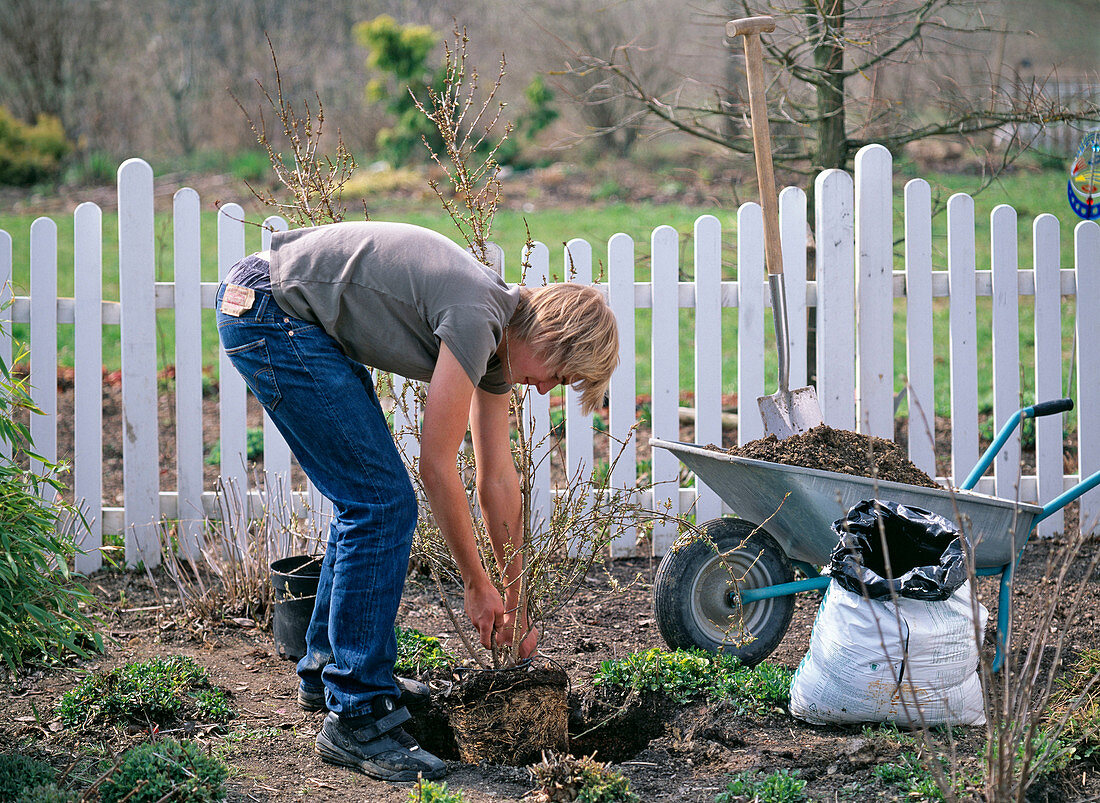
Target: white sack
858, 653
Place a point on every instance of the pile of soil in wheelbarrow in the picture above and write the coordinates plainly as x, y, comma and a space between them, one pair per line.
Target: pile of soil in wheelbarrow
838, 450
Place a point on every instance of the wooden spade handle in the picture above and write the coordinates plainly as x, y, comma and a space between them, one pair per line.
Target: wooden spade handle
751, 28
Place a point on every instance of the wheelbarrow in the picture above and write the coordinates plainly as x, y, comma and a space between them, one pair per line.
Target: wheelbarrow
732, 591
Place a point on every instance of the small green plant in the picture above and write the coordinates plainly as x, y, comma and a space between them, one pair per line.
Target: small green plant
46, 793
17, 772
692, 674
906, 772
254, 447
42, 609
156, 692
417, 653
781, 786
166, 770
567, 778
213, 706
432, 792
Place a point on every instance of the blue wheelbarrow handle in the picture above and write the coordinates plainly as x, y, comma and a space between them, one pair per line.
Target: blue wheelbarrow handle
1034, 411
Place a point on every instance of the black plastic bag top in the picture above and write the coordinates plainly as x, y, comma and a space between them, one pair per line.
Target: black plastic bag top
925, 552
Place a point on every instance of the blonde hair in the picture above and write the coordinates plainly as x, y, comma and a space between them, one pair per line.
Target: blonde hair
572, 330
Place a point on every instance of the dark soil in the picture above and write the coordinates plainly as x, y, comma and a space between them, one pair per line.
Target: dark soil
670, 752
838, 450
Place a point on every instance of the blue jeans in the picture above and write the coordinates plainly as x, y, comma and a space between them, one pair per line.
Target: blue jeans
325, 406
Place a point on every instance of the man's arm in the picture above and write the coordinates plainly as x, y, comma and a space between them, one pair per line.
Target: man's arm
446, 416
498, 495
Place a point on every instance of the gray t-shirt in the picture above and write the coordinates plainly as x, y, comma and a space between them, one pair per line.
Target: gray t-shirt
388, 293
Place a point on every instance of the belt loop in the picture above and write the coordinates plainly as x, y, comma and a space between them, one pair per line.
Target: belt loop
262, 298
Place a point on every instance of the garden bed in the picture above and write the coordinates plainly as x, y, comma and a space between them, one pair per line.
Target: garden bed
694, 748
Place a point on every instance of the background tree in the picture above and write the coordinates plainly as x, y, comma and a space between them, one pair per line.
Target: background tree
49, 55
847, 73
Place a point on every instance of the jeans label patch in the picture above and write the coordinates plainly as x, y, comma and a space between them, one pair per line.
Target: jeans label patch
237, 299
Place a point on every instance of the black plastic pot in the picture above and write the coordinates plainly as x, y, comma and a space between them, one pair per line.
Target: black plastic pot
295, 581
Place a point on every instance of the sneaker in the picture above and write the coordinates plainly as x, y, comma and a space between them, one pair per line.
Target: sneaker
378, 746
413, 693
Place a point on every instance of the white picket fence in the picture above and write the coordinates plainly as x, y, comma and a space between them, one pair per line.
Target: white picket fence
857, 280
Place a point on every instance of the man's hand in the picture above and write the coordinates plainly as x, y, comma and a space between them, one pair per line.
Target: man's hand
485, 609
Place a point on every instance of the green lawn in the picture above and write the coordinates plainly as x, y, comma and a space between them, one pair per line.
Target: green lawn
1031, 193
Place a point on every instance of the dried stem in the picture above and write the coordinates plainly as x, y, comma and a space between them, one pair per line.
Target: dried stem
314, 180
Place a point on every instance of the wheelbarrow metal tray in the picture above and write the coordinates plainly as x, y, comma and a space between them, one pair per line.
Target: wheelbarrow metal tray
797, 506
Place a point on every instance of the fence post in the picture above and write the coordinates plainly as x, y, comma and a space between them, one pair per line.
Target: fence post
88, 382
919, 344
136, 269
665, 381
232, 396
43, 336
834, 213
578, 427
875, 290
538, 405
963, 326
1086, 242
620, 271
5, 312
708, 351
792, 230
1048, 365
750, 321
188, 307
277, 467
1006, 343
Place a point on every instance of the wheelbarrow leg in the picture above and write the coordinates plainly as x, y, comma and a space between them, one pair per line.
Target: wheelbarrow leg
1004, 617
1004, 611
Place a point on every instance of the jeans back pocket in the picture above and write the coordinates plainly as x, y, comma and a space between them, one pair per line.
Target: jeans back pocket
253, 362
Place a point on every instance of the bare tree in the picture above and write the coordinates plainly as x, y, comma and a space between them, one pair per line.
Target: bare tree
48, 55
846, 73
643, 32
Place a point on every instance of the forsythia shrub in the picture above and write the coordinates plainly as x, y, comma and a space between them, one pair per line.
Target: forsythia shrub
30, 153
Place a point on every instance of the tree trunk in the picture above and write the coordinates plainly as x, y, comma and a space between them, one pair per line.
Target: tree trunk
832, 140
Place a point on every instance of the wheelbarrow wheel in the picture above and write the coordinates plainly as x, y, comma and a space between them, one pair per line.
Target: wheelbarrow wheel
695, 598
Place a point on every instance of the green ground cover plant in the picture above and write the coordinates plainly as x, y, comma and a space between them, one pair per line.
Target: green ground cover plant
157, 692
781, 786
696, 674
418, 653
17, 772
166, 770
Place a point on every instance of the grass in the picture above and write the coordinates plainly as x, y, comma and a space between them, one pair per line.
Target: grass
1031, 192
